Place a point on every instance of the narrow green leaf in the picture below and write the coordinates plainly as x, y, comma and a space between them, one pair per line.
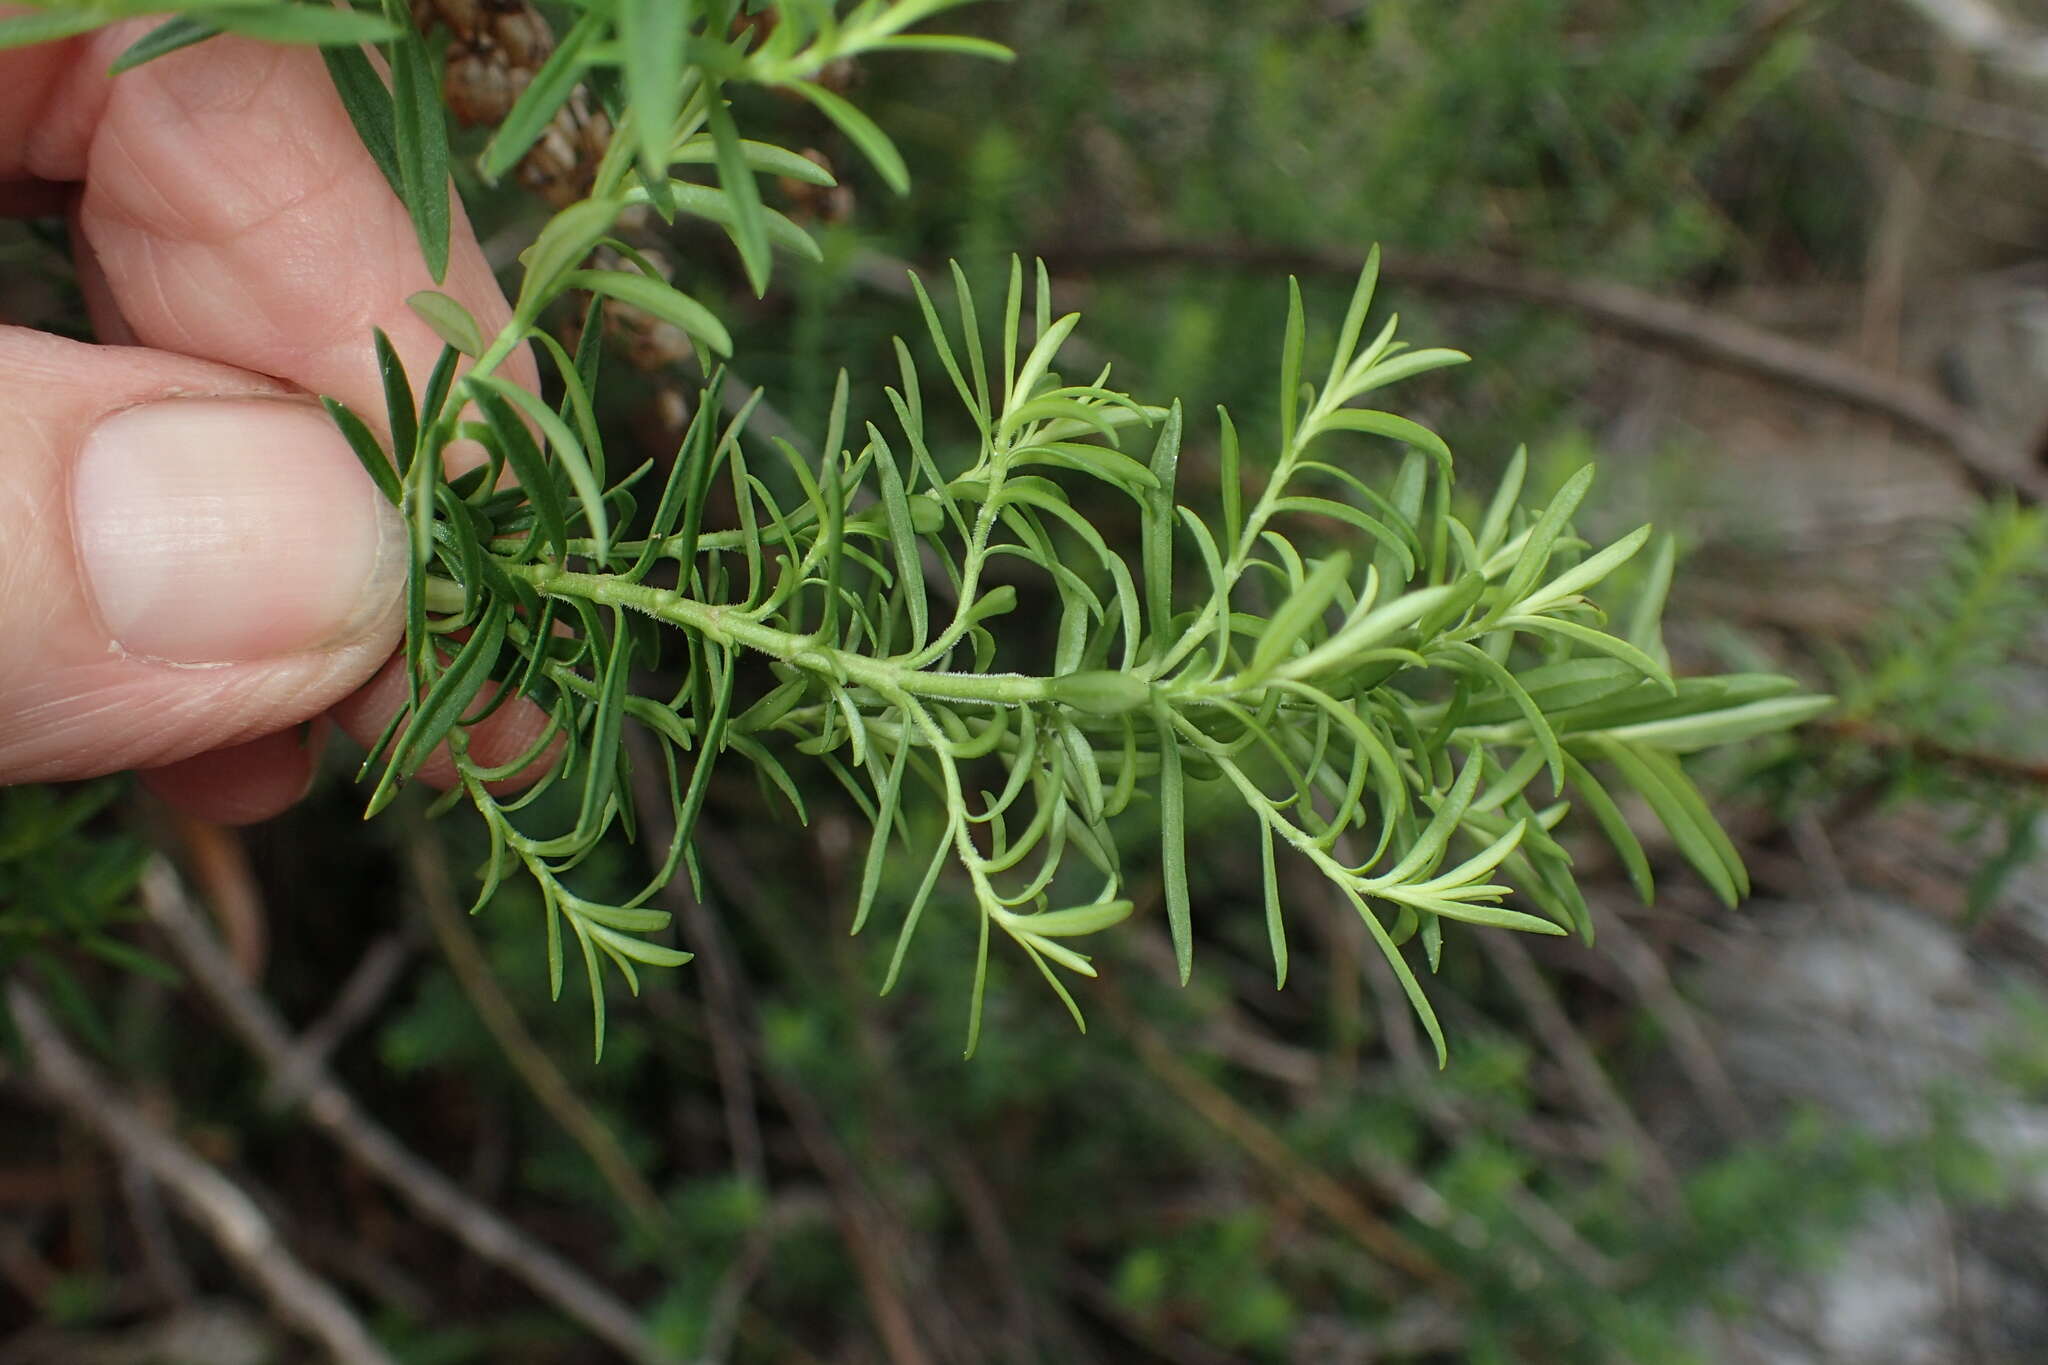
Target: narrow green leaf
762, 156
596, 978
400, 414
936, 329
979, 992
560, 246
601, 748
543, 97
1354, 318
1013, 306
450, 320
1406, 366
1298, 615
951, 43
439, 380
698, 459
638, 950
421, 130
1290, 367
1374, 529
528, 466
1598, 640
970, 339
862, 132
1077, 920
709, 746
1609, 817
452, 692
1699, 840
1173, 841
1276, 927
658, 297
915, 913
1593, 569
26, 30
1375, 423
1159, 524
1479, 661
888, 797
167, 37
1229, 475
302, 24
577, 404
1645, 620
1404, 974
129, 958
651, 36
422, 478
1493, 531
1037, 363
364, 444
1428, 848
716, 206
589, 361
568, 452
1483, 913
1463, 880
368, 103
1685, 734
1543, 536
748, 226
903, 541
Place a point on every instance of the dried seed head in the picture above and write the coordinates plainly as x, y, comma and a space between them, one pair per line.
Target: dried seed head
479, 90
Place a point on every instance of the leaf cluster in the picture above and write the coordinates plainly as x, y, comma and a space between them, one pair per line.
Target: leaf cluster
1400, 698
67, 889
1404, 699
1934, 697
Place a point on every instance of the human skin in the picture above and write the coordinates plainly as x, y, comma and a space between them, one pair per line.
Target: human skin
194, 571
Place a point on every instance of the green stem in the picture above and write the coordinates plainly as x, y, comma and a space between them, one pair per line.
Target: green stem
731, 625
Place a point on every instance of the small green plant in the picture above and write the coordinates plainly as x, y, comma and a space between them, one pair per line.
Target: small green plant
1935, 698
67, 892
1407, 700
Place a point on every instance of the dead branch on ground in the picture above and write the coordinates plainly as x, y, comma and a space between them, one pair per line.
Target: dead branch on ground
435, 1198
221, 1208
1985, 461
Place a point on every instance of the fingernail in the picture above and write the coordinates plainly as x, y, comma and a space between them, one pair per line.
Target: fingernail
223, 530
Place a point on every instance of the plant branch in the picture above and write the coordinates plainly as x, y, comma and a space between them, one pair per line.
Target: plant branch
335, 1112
1314, 1186
375, 974
1989, 464
245, 1236
1973, 117
541, 1076
1980, 29
1690, 1047
1996, 767
1596, 1090
865, 1224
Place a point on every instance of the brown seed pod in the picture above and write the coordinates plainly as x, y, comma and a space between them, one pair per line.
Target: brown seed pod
523, 37
479, 89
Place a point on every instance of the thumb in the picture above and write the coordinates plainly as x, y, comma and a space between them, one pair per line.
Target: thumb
189, 558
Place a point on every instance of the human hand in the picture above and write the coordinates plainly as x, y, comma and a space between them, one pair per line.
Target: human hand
192, 563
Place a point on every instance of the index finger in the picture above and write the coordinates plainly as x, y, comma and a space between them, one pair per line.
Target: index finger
233, 210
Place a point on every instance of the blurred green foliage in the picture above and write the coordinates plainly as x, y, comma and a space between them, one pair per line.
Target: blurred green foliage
1066, 1200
